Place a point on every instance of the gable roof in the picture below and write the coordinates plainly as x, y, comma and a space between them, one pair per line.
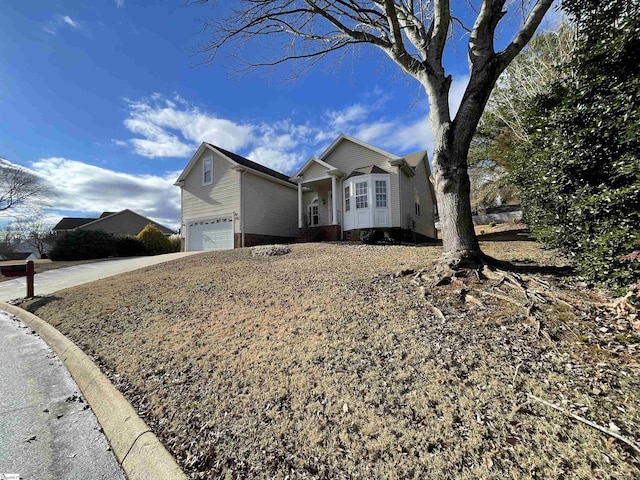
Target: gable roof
233, 158
366, 171
162, 228
69, 223
413, 159
342, 138
309, 163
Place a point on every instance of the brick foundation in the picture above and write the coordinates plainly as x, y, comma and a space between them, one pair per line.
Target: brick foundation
252, 239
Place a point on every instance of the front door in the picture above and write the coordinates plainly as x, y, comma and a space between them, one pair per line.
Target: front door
314, 214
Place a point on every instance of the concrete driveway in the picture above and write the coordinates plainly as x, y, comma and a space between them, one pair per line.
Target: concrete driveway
54, 280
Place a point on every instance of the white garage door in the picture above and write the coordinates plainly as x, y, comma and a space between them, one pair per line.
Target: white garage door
214, 234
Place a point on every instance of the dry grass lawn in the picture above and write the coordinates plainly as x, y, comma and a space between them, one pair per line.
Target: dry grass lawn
327, 363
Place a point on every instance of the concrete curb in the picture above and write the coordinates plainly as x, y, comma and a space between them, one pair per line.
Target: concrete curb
137, 449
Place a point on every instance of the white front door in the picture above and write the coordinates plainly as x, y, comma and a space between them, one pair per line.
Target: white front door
314, 213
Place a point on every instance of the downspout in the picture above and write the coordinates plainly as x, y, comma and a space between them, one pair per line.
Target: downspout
242, 172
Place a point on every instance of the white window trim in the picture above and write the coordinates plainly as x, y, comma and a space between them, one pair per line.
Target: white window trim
350, 216
205, 160
384, 194
365, 195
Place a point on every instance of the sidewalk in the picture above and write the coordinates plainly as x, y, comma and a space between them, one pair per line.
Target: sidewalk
54, 280
47, 431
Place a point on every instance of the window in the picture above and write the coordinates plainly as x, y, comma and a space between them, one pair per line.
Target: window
207, 171
362, 192
347, 198
381, 193
416, 200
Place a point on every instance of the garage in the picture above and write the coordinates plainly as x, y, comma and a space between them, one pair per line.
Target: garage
212, 234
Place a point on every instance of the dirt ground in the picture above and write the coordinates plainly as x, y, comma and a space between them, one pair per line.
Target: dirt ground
343, 362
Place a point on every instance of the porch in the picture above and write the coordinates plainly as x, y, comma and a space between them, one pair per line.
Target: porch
318, 204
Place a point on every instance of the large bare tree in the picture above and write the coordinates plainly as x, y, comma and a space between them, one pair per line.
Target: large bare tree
20, 190
413, 34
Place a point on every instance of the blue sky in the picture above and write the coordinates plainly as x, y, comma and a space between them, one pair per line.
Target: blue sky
107, 101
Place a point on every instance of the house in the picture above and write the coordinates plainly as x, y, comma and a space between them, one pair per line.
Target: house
229, 201
125, 222
353, 186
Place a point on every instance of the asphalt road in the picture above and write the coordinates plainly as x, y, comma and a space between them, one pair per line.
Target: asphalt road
47, 431
54, 280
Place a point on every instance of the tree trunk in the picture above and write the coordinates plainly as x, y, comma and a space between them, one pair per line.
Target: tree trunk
452, 186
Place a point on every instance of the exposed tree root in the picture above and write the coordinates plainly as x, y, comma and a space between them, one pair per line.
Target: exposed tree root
602, 429
517, 285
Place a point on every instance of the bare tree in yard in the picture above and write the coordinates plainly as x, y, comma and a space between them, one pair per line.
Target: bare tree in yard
413, 34
36, 233
19, 188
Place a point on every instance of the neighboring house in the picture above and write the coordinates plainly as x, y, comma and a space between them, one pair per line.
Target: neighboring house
499, 214
28, 250
229, 201
353, 186
125, 222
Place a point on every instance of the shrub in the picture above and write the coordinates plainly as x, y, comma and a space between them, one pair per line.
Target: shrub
175, 242
580, 171
130, 246
370, 237
155, 242
84, 245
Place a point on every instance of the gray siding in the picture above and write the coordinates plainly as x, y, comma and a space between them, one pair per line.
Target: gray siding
122, 223
222, 197
348, 156
270, 208
315, 170
425, 225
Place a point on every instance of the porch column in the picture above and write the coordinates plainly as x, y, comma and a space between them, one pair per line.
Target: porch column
334, 200
300, 207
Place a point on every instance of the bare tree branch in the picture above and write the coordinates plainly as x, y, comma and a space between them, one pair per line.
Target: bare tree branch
20, 188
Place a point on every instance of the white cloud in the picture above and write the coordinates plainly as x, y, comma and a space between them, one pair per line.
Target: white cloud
169, 130
69, 21
61, 21
172, 127
89, 190
119, 3
275, 159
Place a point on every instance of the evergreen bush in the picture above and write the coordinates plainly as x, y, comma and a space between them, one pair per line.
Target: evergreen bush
130, 246
580, 174
176, 243
155, 242
84, 245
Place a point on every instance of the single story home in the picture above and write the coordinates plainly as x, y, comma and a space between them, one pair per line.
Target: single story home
125, 222
229, 201
353, 186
